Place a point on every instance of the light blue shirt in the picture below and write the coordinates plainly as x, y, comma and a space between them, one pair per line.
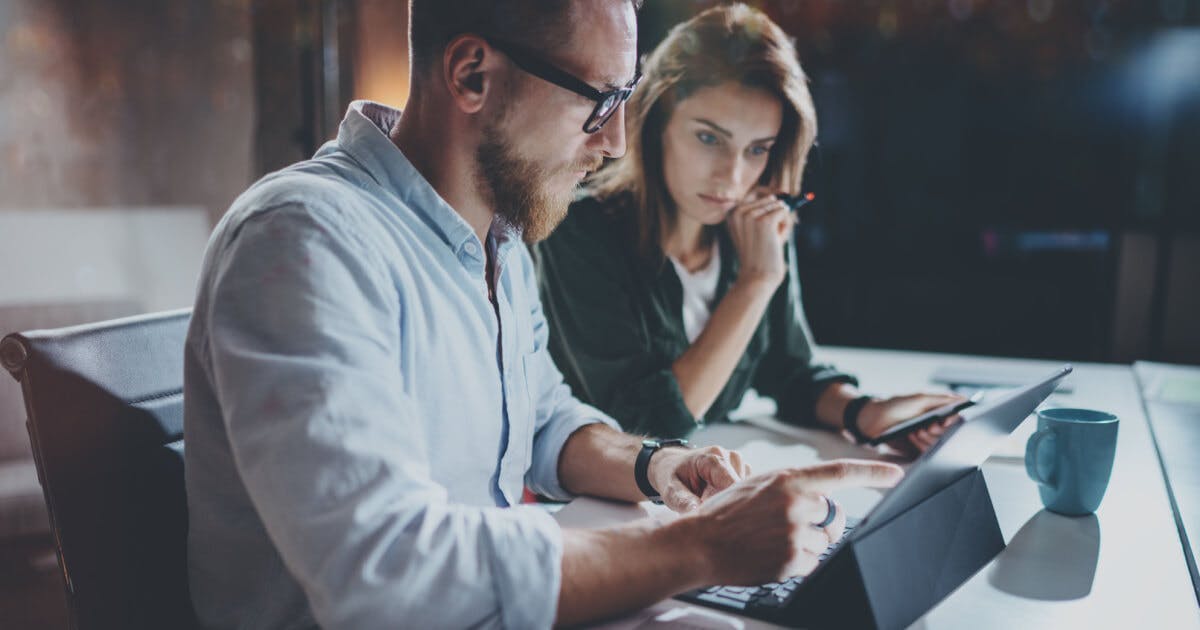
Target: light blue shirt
357, 421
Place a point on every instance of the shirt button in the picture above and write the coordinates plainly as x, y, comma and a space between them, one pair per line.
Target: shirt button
471, 249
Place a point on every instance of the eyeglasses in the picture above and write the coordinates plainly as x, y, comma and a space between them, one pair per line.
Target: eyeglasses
607, 103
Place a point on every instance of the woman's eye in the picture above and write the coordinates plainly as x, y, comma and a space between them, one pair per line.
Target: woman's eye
706, 137
759, 151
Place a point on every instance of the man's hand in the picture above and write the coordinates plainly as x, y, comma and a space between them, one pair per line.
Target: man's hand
877, 416
685, 477
763, 529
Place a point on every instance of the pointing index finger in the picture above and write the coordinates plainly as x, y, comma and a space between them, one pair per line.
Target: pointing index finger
847, 473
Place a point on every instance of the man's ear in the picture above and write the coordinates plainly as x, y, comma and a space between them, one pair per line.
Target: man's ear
469, 67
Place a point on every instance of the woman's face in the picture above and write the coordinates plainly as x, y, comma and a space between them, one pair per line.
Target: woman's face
715, 148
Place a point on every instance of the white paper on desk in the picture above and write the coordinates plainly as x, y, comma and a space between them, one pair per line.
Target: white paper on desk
770, 454
693, 617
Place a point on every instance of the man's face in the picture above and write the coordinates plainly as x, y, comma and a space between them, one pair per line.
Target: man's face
534, 152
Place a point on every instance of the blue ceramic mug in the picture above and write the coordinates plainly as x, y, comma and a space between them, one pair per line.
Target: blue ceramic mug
1071, 457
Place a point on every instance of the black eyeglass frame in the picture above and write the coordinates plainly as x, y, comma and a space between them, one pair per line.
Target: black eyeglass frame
534, 64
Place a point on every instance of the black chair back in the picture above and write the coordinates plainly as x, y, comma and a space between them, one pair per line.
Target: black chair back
104, 404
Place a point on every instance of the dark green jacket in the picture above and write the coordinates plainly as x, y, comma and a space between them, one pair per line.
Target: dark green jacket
616, 327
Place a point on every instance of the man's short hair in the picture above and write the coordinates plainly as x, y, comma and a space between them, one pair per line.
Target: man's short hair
539, 24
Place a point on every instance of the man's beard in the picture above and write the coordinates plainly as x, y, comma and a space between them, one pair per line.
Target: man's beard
518, 188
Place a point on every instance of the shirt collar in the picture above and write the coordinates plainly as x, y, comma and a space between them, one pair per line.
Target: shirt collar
364, 135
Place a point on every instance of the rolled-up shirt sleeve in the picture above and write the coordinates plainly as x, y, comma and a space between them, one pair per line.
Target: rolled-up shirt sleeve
303, 350
558, 413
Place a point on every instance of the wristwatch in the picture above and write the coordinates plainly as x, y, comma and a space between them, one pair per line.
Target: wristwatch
642, 466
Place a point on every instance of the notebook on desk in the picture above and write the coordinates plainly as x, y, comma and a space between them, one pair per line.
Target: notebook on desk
987, 377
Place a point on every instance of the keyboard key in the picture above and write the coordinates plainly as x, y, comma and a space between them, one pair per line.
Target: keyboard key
741, 596
723, 601
770, 601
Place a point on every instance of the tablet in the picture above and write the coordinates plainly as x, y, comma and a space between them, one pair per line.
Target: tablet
964, 446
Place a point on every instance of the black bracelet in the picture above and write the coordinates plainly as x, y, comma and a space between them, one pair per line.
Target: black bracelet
850, 418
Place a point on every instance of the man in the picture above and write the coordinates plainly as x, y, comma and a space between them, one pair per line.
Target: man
367, 383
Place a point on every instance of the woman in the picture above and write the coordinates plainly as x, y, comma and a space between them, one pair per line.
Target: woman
672, 289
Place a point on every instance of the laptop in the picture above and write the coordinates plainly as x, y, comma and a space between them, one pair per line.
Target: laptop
960, 450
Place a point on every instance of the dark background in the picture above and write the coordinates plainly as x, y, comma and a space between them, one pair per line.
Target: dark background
1008, 178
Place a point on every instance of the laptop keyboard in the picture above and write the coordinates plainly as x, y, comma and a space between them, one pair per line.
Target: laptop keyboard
769, 596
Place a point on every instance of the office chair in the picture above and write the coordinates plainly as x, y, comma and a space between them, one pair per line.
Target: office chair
104, 403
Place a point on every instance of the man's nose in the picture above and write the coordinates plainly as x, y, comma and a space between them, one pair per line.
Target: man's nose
612, 135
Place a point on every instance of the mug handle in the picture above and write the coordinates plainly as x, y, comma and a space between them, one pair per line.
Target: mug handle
1031, 457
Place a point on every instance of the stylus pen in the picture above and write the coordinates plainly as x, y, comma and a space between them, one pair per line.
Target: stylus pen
795, 202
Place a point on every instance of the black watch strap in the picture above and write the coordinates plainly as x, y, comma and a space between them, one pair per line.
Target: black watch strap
850, 418
641, 467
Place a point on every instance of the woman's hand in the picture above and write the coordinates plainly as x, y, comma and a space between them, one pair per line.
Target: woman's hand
877, 416
759, 227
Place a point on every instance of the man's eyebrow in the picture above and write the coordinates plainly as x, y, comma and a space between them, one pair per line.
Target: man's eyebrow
715, 126
612, 83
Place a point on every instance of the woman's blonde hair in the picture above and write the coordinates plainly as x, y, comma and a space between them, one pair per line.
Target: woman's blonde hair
731, 43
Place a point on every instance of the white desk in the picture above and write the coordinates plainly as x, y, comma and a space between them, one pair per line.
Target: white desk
1171, 394
1122, 568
